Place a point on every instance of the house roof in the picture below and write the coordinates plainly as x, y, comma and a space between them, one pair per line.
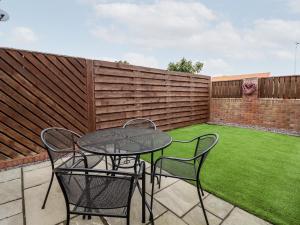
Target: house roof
240, 76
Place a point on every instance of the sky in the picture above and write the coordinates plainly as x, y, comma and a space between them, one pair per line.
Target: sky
228, 36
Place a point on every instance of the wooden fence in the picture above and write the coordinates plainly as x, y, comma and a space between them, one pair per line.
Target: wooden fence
169, 99
38, 91
279, 87
227, 89
287, 87
41, 90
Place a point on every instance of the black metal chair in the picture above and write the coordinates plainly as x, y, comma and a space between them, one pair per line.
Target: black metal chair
61, 145
124, 161
90, 192
140, 123
186, 168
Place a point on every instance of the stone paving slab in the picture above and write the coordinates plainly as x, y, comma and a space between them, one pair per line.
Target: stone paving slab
136, 211
10, 209
102, 166
10, 190
180, 197
196, 217
11, 174
36, 177
55, 210
239, 216
36, 166
95, 220
169, 218
13, 220
165, 182
217, 206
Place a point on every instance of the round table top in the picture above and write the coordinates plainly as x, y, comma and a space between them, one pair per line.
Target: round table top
124, 141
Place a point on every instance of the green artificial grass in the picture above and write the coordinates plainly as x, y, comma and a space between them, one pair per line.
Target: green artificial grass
257, 171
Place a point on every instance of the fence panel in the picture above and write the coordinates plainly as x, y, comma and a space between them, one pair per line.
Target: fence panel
227, 89
37, 91
170, 99
287, 87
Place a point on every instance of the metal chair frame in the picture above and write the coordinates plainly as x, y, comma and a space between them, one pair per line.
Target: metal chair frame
67, 152
129, 158
202, 156
134, 177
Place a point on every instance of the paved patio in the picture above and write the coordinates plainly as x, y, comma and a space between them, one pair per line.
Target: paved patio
22, 191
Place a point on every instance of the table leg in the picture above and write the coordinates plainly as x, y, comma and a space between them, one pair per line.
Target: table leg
151, 168
144, 196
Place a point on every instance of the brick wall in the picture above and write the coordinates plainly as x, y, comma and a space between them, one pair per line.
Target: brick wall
263, 112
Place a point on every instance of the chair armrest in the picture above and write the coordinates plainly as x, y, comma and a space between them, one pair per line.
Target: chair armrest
175, 158
185, 141
181, 141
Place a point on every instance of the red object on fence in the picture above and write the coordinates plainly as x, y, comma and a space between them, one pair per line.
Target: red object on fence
249, 87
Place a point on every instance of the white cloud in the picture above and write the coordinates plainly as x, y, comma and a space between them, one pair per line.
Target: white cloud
133, 58
140, 59
190, 26
216, 66
156, 24
109, 34
273, 33
23, 35
164, 14
283, 54
294, 5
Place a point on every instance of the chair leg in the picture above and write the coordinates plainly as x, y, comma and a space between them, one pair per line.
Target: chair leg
202, 192
151, 169
159, 179
201, 202
106, 165
152, 193
128, 220
136, 163
151, 218
68, 216
68, 219
49, 187
143, 197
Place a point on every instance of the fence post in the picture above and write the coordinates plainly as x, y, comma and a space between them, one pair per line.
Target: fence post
90, 95
210, 94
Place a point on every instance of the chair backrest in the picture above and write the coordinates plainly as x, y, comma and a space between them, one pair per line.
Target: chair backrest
96, 191
140, 123
203, 146
59, 142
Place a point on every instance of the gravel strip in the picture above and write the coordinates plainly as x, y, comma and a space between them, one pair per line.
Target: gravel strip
274, 130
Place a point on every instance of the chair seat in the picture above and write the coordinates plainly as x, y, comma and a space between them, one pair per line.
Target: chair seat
176, 168
78, 162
